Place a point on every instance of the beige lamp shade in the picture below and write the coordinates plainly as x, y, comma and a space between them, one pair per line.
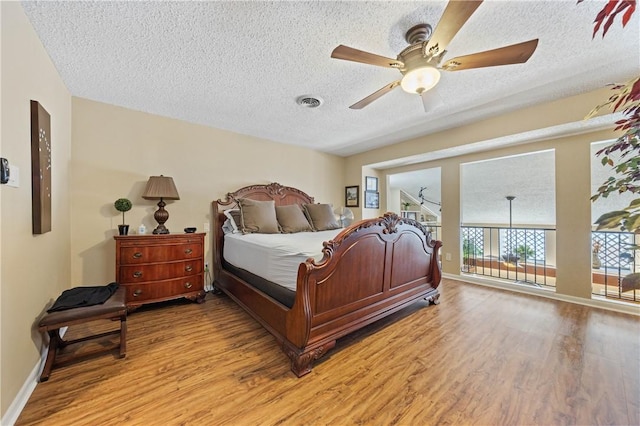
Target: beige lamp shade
161, 187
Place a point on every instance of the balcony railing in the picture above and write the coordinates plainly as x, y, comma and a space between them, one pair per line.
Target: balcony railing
522, 255
527, 256
612, 259
435, 230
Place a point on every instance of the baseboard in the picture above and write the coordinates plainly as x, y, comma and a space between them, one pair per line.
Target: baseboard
611, 305
21, 399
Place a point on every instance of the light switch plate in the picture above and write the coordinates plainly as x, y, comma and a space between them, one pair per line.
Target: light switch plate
14, 176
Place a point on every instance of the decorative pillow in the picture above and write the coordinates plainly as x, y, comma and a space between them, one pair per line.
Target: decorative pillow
258, 216
235, 219
292, 219
321, 216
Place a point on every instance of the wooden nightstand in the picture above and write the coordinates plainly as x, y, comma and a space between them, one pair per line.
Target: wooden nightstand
154, 268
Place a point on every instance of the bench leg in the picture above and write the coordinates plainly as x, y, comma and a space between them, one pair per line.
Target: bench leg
123, 336
55, 341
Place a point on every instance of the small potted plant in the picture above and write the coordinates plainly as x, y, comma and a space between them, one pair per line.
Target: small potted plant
525, 252
405, 205
123, 205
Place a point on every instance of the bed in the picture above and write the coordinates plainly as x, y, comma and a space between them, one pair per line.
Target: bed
367, 271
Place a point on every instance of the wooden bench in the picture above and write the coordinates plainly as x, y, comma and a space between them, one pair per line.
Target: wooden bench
113, 309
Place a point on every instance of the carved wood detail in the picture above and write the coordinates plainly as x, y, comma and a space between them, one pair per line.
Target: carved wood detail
302, 362
319, 316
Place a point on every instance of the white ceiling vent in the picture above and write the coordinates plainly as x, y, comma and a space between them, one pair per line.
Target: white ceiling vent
309, 101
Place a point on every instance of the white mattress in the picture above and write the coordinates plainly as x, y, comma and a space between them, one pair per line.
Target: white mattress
275, 257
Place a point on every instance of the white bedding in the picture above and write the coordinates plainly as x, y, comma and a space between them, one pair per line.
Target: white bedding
275, 257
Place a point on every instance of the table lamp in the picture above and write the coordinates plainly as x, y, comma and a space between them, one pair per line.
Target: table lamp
162, 188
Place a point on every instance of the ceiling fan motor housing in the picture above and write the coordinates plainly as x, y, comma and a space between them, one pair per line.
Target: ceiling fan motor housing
420, 72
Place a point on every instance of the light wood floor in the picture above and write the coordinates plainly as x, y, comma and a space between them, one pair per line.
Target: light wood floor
482, 356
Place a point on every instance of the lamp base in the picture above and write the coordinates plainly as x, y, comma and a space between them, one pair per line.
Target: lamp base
161, 216
160, 230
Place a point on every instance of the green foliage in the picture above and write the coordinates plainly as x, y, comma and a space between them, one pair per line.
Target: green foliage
627, 147
627, 220
469, 248
627, 169
525, 251
122, 205
625, 98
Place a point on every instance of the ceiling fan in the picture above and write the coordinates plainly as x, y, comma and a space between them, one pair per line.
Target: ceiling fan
419, 63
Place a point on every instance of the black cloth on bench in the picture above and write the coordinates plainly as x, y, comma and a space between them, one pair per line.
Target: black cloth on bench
79, 297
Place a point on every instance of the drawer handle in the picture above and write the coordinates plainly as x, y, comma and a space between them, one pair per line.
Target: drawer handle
137, 274
137, 255
188, 251
137, 293
188, 285
188, 268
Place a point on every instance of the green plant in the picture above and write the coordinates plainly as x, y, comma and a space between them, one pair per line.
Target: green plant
625, 98
405, 205
525, 251
122, 205
469, 248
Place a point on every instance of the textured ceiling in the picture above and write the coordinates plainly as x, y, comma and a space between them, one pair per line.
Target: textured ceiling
241, 66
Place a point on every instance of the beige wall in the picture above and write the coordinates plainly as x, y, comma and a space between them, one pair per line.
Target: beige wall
107, 152
2, 409
115, 150
573, 180
365, 213
35, 268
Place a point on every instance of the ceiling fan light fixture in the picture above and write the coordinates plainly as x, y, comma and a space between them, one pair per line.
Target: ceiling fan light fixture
420, 79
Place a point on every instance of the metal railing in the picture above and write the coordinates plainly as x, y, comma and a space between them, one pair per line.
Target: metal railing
612, 259
522, 255
436, 230
527, 256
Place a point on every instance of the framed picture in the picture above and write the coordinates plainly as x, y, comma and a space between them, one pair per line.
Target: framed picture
352, 196
371, 183
371, 200
40, 168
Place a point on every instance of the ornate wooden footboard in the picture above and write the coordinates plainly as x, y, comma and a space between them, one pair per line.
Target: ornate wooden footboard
369, 270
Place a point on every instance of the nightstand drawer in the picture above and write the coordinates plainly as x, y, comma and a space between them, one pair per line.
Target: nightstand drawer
154, 268
159, 271
147, 254
164, 289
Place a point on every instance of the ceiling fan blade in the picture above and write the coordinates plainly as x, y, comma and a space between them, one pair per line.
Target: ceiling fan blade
372, 97
514, 54
454, 17
431, 99
355, 55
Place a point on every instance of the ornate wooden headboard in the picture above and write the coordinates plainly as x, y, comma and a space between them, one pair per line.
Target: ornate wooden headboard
282, 195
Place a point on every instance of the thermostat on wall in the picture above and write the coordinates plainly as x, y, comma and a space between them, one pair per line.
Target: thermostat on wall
4, 170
